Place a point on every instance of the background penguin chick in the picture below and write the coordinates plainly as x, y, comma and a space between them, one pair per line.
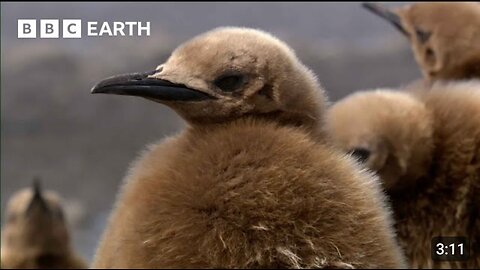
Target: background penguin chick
445, 37
443, 198
391, 132
246, 185
35, 234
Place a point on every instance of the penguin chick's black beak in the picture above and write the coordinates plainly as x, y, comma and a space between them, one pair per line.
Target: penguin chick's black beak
387, 14
37, 200
139, 84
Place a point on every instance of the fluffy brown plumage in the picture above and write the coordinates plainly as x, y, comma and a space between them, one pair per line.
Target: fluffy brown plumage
425, 146
35, 234
248, 184
445, 37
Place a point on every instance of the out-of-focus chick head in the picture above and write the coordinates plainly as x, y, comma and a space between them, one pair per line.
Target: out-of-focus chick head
228, 73
35, 222
390, 132
445, 37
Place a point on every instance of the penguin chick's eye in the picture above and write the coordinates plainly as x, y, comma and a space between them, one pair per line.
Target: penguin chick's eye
361, 154
429, 55
230, 82
422, 36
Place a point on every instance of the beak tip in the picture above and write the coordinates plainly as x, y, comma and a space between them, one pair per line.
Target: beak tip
36, 185
95, 89
366, 4
372, 7
37, 198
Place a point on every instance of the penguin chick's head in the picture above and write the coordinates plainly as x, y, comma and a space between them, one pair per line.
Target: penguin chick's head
35, 222
228, 73
445, 37
390, 132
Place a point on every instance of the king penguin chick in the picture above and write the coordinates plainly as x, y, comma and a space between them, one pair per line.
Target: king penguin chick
425, 146
35, 234
247, 184
445, 37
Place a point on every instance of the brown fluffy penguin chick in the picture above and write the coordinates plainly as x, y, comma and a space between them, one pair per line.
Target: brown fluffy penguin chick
35, 234
426, 149
246, 185
445, 37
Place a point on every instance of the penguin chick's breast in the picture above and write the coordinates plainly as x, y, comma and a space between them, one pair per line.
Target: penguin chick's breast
248, 194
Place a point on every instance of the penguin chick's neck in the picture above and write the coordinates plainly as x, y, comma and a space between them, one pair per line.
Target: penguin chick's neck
312, 124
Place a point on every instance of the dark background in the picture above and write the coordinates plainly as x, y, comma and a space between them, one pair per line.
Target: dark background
81, 145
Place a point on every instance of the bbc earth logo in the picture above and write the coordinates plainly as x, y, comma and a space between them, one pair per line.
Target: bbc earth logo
73, 28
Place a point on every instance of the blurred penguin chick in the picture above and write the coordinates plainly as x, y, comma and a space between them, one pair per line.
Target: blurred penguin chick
246, 185
445, 37
389, 131
35, 234
425, 146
